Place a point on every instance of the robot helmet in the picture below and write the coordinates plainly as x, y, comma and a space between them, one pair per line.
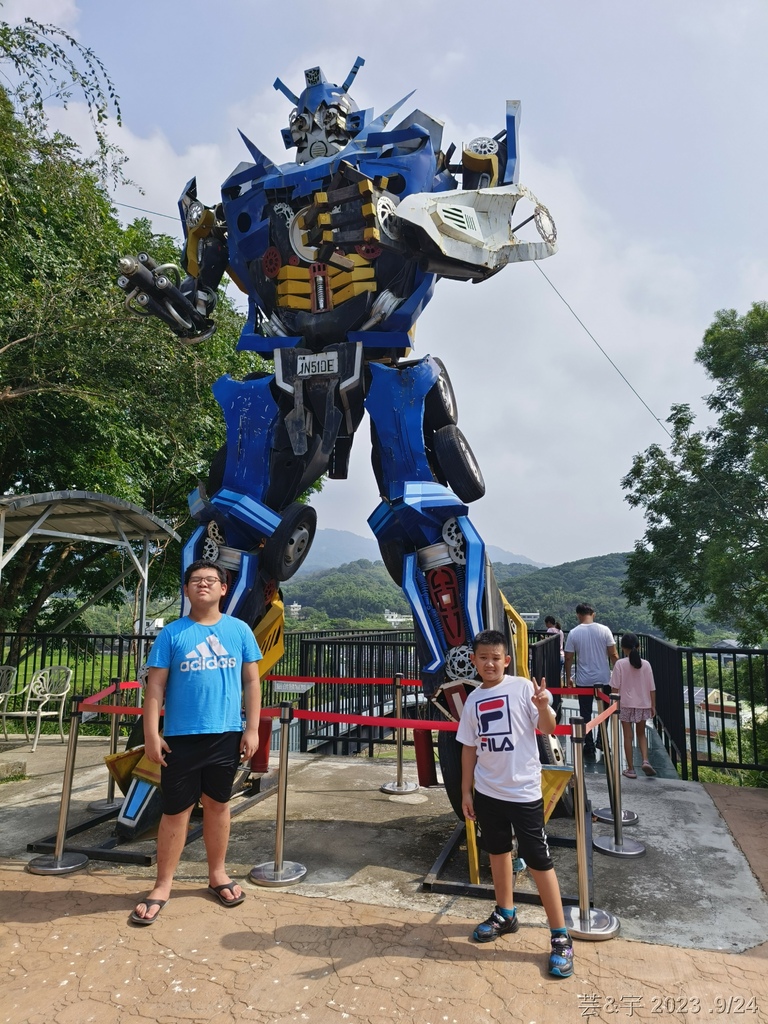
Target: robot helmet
324, 119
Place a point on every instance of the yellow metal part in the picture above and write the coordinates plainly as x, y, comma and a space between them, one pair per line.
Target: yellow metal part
473, 860
289, 273
339, 280
520, 632
359, 261
200, 231
553, 784
295, 302
269, 636
482, 163
294, 288
356, 288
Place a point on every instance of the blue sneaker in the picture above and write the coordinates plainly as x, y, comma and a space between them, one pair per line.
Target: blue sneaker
561, 957
496, 925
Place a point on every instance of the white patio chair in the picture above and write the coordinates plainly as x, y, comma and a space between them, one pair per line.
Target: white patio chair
44, 697
7, 683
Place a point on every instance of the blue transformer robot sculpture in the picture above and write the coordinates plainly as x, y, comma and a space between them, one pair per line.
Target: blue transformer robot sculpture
339, 253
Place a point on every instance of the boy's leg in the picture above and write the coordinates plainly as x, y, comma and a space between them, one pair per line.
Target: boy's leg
216, 823
549, 890
171, 837
503, 879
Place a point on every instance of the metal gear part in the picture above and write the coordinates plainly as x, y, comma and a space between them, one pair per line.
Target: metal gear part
458, 664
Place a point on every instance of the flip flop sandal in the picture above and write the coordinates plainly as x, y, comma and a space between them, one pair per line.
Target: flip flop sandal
630, 773
135, 919
215, 890
648, 768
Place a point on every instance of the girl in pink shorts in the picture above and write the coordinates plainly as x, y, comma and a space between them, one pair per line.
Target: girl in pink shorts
632, 679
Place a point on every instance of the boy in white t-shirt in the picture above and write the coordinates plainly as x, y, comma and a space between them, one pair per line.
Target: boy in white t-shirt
501, 757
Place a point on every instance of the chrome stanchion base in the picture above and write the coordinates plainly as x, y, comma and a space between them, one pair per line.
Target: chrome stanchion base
605, 814
398, 790
49, 864
628, 847
265, 874
600, 925
103, 806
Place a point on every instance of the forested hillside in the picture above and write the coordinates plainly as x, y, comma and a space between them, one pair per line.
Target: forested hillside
357, 593
556, 591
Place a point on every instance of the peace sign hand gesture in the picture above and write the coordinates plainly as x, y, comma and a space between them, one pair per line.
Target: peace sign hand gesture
541, 697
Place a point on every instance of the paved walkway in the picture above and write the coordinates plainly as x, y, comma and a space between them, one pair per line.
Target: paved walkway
378, 951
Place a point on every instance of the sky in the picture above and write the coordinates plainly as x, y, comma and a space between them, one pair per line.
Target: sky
642, 131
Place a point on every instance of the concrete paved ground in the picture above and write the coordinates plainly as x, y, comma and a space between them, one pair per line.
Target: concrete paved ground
358, 940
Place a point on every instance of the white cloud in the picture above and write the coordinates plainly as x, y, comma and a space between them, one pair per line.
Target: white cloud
63, 13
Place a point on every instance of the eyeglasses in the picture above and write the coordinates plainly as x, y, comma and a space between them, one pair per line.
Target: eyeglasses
204, 581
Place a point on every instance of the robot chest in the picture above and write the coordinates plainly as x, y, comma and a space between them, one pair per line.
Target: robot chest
316, 287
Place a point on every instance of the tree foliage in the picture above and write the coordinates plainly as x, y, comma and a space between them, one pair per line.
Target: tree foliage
90, 398
705, 500
46, 63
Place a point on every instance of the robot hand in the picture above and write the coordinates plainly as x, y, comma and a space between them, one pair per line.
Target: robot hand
153, 290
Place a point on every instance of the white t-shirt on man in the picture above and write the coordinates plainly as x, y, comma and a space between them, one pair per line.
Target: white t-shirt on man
590, 641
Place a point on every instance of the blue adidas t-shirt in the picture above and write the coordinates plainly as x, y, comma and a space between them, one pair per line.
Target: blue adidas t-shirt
204, 689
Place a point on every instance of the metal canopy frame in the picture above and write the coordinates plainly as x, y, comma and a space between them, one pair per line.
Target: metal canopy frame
59, 516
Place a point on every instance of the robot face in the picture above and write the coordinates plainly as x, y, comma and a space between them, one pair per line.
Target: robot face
324, 119
321, 131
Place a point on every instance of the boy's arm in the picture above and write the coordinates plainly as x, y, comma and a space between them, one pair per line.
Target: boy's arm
249, 742
468, 761
547, 722
154, 744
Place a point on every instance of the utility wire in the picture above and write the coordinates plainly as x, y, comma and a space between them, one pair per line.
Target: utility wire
631, 387
704, 477
141, 209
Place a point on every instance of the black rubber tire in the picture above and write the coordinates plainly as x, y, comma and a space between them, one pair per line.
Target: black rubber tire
440, 406
392, 554
564, 806
289, 545
449, 755
458, 463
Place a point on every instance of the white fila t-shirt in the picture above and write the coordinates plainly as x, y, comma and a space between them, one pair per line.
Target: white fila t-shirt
500, 723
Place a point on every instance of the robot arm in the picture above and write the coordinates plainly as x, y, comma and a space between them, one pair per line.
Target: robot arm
185, 305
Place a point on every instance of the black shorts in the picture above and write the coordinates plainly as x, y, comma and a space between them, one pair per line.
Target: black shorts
497, 818
204, 763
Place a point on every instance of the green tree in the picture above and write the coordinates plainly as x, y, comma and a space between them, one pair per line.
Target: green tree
90, 398
43, 63
704, 500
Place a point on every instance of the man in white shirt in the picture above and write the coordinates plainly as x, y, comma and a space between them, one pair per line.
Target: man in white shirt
595, 648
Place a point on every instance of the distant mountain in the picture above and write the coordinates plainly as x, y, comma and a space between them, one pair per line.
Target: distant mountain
332, 548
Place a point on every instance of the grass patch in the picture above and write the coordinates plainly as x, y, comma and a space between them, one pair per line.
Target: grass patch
20, 777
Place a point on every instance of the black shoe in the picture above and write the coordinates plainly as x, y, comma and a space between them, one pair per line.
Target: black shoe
495, 926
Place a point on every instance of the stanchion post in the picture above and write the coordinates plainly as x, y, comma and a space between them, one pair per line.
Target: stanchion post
618, 846
280, 872
110, 804
399, 787
607, 814
61, 863
583, 921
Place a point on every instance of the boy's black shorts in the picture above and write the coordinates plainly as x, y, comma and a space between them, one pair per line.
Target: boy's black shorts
497, 819
204, 763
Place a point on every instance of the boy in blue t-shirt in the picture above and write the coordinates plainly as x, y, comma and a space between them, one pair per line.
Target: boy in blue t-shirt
501, 789
204, 667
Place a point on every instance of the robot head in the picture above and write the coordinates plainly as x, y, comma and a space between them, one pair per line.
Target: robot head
325, 118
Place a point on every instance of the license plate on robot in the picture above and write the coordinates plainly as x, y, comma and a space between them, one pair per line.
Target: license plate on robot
324, 363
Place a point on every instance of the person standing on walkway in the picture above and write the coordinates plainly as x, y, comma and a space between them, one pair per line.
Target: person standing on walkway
553, 626
500, 759
204, 666
632, 679
594, 646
